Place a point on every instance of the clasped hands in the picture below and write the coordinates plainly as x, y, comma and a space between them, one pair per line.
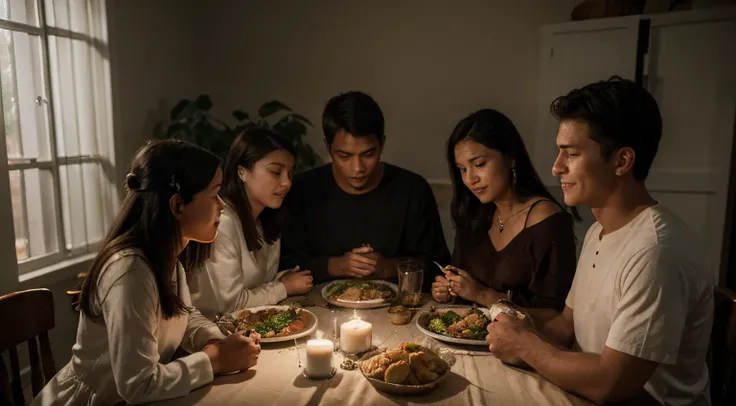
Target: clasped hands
360, 262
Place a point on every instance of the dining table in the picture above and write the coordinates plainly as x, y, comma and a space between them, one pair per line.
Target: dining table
476, 377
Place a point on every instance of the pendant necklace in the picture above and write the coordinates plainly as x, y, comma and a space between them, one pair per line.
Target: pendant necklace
502, 223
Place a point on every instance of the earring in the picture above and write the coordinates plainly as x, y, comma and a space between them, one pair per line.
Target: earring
513, 175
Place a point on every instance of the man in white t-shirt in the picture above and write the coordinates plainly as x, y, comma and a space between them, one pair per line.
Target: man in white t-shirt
640, 310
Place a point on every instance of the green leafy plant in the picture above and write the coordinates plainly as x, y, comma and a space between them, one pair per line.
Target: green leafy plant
193, 121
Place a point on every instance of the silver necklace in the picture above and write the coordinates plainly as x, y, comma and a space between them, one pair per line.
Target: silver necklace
502, 223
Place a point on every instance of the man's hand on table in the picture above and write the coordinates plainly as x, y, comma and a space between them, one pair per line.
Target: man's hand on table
385, 267
361, 262
352, 264
506, 338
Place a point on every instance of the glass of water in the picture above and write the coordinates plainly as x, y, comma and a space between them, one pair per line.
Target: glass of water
411, 278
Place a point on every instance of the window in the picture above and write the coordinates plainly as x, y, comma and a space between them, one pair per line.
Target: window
56, 122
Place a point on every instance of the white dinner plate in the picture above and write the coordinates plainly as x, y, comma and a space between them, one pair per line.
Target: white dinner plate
310, 322
362, 304
424, 315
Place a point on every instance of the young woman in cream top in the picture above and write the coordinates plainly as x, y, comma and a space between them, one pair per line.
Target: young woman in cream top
242, 270
135, 308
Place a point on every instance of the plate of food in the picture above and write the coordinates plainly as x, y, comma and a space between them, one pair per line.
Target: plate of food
273, 323
456, 324
360, 294
409, 369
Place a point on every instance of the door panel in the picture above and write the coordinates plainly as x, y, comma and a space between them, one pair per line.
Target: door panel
690, 72
573, 55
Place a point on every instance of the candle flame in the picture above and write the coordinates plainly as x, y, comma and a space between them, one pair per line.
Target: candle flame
319, 335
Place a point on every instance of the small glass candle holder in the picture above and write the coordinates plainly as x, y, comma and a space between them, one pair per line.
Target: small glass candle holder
335, 334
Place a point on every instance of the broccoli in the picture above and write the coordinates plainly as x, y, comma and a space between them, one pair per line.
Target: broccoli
450, 317
438, 326
476, 332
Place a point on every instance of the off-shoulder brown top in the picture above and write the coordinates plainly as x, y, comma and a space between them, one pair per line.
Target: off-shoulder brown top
537, 265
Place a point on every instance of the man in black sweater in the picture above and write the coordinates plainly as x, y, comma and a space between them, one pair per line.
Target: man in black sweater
354, 217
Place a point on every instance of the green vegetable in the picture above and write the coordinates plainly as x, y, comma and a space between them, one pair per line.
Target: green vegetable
438, 326
337, 289
476, 332
412, 347
261, 328
276, 323
450, 317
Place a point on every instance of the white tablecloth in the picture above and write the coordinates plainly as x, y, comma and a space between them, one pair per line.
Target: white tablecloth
478, 379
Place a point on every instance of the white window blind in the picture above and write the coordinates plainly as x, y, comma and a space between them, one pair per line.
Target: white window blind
56, 122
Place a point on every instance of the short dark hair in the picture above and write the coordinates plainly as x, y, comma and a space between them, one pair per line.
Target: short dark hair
353, 112
248, 148
619, 113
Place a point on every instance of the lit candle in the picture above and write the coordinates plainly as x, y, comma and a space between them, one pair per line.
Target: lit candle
355, 336
319, 358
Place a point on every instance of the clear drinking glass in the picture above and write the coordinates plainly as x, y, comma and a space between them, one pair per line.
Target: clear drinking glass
411, 278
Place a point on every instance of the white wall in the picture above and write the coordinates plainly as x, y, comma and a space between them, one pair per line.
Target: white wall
152, 66
427, 64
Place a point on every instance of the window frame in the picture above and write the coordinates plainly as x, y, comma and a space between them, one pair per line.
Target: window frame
55, 162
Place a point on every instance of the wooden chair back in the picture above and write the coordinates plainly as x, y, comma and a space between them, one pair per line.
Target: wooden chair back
26, 316
723, 349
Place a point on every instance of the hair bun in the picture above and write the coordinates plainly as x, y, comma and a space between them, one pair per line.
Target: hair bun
132, 182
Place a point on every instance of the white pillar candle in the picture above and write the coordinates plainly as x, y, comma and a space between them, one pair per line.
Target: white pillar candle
319, 358
355, 336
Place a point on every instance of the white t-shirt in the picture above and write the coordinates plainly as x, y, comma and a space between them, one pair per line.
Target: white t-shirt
644, 290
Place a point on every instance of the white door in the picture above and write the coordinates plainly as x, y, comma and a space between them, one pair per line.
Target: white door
692, 73
571, 56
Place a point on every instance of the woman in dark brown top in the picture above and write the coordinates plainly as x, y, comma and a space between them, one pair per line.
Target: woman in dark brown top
511, 234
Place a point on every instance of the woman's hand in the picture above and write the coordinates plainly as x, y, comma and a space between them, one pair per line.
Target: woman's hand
441, 289
297, 282
463, 285
235, 353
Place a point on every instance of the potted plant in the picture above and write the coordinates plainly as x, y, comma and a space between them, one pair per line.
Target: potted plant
193, 121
